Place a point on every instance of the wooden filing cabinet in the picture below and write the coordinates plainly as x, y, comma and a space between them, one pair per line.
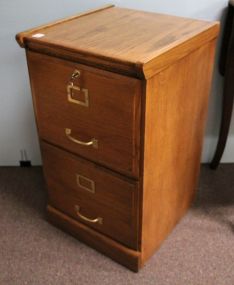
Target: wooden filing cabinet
120, 99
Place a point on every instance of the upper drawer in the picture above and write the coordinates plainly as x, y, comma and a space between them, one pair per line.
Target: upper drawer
91, 112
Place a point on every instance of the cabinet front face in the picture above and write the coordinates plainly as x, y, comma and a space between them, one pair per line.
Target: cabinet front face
88, 193
87, 111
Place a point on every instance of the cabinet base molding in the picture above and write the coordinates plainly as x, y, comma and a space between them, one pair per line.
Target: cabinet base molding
116, 251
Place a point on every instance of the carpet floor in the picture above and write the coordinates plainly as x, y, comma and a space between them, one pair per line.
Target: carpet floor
200, 251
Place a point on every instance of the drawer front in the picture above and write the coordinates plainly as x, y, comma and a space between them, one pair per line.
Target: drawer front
92, 195
91, 112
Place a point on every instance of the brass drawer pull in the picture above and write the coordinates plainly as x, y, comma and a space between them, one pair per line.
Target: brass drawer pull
71, 87
93, 142
93, 221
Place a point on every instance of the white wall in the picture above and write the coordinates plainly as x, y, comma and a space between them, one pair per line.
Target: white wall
17, 125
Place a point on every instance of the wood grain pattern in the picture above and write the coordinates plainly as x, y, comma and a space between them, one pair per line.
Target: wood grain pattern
113, 98
169, 57
176, 107
142, 37
129, 69
21, 36
115, 199
124, 255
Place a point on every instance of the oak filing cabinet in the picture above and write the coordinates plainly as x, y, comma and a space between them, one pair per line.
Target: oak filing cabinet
120, 99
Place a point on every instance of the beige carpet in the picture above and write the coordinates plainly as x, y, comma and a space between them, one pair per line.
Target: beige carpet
200, 251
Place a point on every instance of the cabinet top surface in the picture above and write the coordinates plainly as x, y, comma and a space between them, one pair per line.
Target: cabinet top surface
120, 34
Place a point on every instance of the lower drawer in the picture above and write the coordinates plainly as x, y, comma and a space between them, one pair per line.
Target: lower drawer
94, 196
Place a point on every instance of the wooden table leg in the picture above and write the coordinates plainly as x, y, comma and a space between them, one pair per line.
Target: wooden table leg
226, 68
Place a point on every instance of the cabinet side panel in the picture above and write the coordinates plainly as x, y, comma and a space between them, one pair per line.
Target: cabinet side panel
176, 107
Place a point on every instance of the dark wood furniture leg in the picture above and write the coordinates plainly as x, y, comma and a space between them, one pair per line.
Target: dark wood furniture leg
228, 97
226, 68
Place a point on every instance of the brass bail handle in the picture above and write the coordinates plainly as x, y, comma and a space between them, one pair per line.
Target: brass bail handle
93, 142
97, 220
